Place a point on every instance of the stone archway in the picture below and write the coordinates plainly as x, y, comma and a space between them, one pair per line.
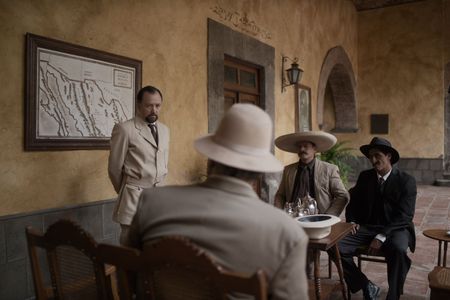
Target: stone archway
338, 73
447, 118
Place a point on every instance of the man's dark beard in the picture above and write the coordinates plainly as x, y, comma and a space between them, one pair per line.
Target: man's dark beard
151, 118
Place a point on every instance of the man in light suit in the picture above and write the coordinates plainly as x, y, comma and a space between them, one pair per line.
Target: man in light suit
224, 215
139, 156
309, 175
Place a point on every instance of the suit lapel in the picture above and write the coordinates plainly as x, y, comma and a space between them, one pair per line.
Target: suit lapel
373, 191
291, 181
317, 170
388, 184
144, 131
162, 136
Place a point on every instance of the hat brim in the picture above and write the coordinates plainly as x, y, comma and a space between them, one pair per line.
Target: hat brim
290, 142
229, 157
395, 156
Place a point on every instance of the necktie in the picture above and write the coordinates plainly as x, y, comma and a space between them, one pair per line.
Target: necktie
304, 181
301, 183
154, 131
381, 184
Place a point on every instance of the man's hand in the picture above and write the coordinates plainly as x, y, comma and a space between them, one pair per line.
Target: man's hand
355, 228
374, 246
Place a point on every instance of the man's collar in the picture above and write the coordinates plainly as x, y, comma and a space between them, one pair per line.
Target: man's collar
142, 120
385, 177
140, 123
231, 185
310, 165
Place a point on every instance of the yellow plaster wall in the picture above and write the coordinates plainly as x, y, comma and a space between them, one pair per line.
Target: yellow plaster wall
170, 37
400, 59
322, 25
446, 32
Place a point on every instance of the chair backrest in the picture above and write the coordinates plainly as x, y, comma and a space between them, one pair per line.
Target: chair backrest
72, 261
174, 268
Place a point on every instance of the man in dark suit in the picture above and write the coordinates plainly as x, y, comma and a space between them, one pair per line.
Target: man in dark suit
382, 207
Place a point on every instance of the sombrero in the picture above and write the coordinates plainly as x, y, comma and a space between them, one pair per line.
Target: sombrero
322, 140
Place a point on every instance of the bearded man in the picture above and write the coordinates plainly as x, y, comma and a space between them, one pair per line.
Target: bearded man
311, 176
139, 156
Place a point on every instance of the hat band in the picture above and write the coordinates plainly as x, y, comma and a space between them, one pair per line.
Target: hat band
240, 148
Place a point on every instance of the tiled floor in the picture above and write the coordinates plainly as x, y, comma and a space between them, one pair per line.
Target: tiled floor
432, 211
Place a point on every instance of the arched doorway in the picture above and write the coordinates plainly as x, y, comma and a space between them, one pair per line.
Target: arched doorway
337, 89
447, 118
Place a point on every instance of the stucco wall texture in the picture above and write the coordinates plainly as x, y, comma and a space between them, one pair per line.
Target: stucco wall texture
170, 37
401, 59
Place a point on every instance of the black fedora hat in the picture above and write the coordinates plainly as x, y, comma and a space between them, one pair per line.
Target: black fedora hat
382, 144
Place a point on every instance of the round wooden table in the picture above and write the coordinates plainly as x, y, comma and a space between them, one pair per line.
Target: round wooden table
441, 236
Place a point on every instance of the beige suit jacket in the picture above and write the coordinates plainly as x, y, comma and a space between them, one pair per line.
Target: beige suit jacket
331, 195
226, 218
136, 162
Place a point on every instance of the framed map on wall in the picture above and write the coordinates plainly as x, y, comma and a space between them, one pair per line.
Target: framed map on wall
74, 95
303, 108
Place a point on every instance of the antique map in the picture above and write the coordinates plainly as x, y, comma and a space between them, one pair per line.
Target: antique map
80, 97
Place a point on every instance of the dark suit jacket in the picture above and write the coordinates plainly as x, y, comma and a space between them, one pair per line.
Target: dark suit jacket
399, 197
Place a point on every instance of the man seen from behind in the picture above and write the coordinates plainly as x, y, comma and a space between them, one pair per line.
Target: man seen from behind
223, 215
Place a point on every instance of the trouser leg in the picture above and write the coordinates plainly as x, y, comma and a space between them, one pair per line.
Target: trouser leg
124, 235
354, 278
398, 262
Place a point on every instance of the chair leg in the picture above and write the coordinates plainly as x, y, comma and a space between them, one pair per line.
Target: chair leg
330, 266
359, 262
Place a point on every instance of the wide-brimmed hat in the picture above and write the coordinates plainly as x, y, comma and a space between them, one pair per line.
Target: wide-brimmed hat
290, 142
382, 144
242, 140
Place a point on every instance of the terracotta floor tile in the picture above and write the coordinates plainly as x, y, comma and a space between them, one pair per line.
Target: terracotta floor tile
432, 211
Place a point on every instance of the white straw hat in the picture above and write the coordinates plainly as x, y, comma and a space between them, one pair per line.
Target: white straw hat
242, 140
290, 142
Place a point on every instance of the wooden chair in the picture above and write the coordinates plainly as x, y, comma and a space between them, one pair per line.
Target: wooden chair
439, 277
174, 268
363, 255
439, 280
72, 262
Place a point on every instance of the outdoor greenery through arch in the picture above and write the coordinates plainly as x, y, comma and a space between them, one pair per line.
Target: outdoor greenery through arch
339, 155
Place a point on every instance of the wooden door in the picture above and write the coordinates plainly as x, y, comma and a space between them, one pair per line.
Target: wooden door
242, 84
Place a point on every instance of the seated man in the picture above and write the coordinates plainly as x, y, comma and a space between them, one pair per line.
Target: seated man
309, 175
224, 215
382, 206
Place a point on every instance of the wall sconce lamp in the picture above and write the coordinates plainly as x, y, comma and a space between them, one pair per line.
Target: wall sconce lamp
294, 73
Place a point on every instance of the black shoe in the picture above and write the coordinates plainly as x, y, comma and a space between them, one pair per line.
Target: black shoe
371, 291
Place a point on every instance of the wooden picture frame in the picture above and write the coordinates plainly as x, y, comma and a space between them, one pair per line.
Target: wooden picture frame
74, 94
303, 108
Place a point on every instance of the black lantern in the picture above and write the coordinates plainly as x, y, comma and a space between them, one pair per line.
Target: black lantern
294, 73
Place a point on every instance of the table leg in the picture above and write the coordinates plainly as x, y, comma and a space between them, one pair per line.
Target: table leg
439, 253
338, 264
316, 255
445, 255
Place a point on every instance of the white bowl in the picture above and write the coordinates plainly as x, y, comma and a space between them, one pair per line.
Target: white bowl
318, 226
